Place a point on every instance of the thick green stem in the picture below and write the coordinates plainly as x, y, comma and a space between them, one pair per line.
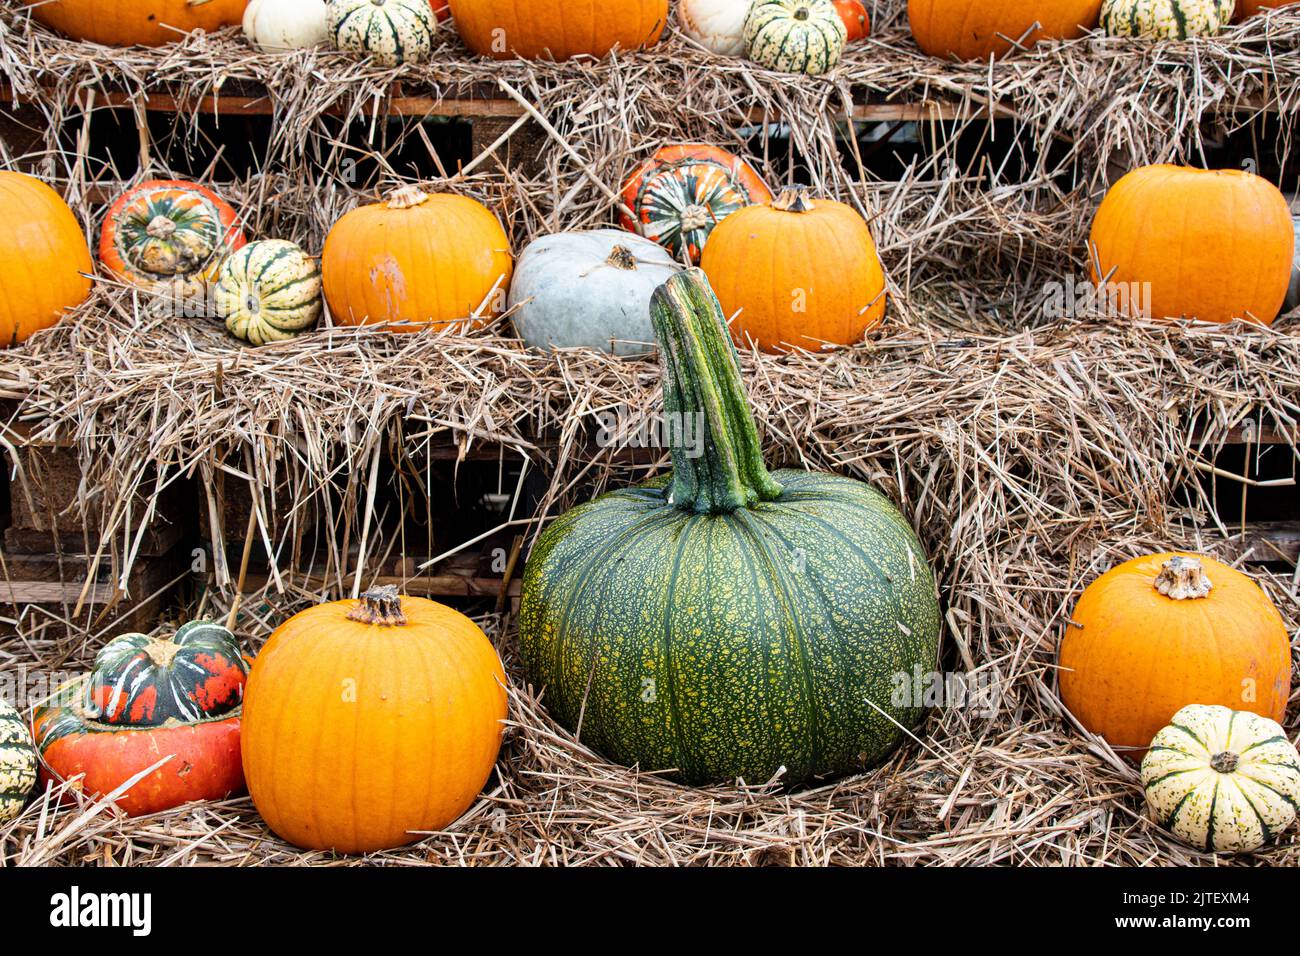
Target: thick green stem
717, 460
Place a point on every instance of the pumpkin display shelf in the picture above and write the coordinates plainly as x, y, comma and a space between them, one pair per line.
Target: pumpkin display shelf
158, 469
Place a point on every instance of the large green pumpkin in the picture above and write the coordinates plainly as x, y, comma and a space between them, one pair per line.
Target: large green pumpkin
725, 621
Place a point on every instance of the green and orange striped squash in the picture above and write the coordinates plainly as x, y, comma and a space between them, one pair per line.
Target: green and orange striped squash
726, 621
148, 699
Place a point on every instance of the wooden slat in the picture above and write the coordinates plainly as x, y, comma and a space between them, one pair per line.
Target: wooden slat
488, 106
1268, 542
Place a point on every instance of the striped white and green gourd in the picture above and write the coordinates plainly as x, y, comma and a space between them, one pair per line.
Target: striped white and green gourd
17, 762
1165, 19
268, 291
1222, 780
391, 32
795, 36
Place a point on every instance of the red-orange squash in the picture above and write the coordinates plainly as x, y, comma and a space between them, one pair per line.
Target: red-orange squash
505, 29
1176, 242
419, 259
47, 262
135, 22
1248, 8
369, 722
818, 279
978, 29
856, 20
1157, 633
167, 231
147, 699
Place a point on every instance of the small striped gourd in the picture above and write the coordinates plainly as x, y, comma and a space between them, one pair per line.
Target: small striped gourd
795, 36
1222, 780
1165, 19
726, 621
391, 32
17, 763
268, 291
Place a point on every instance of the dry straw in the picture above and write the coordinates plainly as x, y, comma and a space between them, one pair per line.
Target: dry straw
1030, 450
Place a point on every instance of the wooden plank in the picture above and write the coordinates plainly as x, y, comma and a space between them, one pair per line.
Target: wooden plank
489, 106
1267, 542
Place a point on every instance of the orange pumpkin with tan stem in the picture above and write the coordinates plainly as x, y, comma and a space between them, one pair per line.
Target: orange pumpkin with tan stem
821, 281
368, 721
417, 258
1157, 633
46, 258
978, 29
135, 22
505, 29
1162, 232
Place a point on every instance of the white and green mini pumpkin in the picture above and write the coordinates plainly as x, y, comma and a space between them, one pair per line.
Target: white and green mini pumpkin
795, 36
392, 32
589, 289
1165, 19
1221, 779
17, 763
268, 291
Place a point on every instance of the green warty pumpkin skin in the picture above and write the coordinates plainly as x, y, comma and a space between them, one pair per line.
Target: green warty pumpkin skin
731, 645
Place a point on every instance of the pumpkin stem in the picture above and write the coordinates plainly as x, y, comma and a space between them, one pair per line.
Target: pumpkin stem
717, 460
1183, 579
160, 227
405, 197
1225, 762
620, 257
695, 217
381, 606
794, 199
161, 652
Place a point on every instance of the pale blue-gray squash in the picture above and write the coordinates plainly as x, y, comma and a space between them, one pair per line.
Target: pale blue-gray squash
589, 289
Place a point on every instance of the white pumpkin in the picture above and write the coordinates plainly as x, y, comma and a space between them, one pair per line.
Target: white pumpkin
276, 25
391, 32
17, 762
589, 289
718, 25
1221, 779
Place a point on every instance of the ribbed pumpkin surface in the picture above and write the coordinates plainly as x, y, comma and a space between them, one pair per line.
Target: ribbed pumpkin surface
978, 29
357, 734
45, 256
795, 36
505, 29
1209, 244
268, 291
417, 258
132, 22
391, 32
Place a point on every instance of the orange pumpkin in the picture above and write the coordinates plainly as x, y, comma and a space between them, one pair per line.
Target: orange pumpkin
47, 261
856, 20
132, 22
366, 721
505, 29
1157, 633
1209, 244
417, 258
978, 29
1248, 8
820, 280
